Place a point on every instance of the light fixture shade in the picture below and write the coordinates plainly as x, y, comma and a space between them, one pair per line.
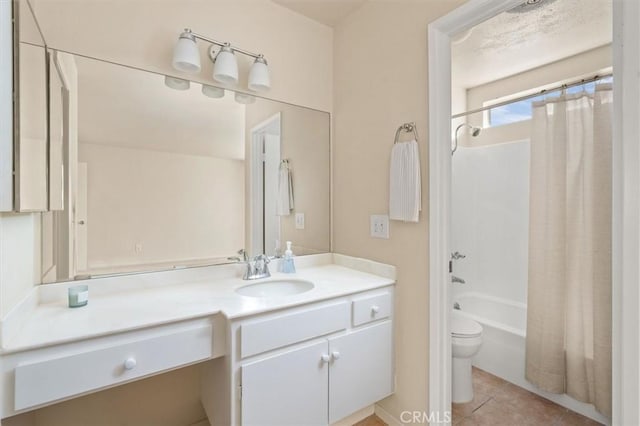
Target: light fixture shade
176, 83
244, 98
212, 92
259, 80
186, 56
225, 68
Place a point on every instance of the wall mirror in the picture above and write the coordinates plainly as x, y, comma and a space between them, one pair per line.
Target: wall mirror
158, 173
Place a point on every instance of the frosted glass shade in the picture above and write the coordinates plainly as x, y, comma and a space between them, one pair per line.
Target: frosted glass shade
245, 99
176, 83
212, 92
186, 56
225, 69
259, 76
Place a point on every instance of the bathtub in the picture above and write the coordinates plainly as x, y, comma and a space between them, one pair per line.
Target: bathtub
502, 353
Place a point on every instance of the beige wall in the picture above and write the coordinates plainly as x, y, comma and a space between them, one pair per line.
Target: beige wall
175, 206
380, 74
305, 142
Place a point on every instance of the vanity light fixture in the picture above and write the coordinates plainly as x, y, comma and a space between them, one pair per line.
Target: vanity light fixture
212, 91
176, 83
186, 57
244, 98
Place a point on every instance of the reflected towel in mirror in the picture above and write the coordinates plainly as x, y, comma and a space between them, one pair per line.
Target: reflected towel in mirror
284, 203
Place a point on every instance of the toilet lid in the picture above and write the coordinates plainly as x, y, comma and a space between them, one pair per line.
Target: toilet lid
464, 327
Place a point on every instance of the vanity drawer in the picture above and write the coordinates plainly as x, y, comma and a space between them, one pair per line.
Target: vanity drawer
53, 379
288, 328
371, 308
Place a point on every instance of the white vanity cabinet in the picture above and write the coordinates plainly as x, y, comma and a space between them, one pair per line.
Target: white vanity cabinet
309, 365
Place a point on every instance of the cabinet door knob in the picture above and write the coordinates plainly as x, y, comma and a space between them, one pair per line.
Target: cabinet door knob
335, 355
325, 358
130, 363
375, 309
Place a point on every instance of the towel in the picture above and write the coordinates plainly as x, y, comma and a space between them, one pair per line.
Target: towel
405, 192
284, 203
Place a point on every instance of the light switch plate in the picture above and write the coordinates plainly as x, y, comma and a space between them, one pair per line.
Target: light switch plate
299, 220
379, 226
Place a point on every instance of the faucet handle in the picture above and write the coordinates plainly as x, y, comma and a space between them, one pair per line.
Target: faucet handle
262, 257
457, 255
242, 252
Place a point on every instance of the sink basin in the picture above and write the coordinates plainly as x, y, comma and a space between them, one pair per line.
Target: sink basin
275, 288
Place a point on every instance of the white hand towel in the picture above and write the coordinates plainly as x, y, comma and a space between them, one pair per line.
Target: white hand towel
405, 192
284, 203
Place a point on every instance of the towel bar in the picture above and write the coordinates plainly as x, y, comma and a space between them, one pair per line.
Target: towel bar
406, 127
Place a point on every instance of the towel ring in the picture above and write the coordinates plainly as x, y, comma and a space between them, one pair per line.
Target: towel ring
408, 128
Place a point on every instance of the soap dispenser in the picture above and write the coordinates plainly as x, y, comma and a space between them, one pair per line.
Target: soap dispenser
288, 266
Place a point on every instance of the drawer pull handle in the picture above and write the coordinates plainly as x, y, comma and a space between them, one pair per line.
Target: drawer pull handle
130, 363
325, 358
375, 309
335, 355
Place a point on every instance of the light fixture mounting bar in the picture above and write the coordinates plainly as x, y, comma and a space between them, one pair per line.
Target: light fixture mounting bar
220, 43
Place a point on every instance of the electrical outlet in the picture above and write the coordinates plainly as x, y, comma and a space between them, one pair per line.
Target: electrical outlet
138, 248
379, 226
299, 220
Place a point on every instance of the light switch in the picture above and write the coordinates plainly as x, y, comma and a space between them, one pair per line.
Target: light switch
299, 220
379, 226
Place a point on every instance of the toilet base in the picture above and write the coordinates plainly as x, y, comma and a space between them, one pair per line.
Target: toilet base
462, 384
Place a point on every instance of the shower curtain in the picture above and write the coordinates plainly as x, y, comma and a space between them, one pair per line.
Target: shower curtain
568, 347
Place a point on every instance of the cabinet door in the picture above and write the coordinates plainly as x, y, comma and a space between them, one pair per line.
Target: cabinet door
361, 369
287, 389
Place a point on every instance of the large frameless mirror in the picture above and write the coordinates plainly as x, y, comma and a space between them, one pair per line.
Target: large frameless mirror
158, 173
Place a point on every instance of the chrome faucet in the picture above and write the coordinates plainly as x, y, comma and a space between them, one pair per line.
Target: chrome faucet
257, 268
455, 279
241, 252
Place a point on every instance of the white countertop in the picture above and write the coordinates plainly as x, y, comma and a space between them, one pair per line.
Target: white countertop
133, 302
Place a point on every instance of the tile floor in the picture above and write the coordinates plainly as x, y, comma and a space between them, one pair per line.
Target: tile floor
372, 420
497, 402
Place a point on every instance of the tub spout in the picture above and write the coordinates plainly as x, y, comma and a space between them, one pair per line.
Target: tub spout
455, 279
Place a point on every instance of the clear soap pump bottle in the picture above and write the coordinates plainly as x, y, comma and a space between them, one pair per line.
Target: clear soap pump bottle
288, 266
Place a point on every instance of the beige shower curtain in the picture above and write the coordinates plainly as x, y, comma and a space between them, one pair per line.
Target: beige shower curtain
568, 346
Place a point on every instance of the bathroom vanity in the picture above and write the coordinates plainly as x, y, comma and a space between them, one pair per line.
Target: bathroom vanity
310, 357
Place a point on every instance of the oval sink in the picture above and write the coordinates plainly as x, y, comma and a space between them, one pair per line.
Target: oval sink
275, 288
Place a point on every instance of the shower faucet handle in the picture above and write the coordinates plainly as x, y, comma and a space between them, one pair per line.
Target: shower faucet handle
457, 255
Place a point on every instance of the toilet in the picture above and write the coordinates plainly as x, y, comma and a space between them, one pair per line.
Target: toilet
466, 338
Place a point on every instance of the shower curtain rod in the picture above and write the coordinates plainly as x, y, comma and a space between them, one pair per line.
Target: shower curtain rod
533, 95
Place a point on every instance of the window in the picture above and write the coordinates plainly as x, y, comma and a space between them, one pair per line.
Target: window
521, 110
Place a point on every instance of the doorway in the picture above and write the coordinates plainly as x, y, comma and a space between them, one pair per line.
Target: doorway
626, 203
265, 163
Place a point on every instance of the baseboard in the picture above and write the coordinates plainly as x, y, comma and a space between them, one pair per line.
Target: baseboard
386, 417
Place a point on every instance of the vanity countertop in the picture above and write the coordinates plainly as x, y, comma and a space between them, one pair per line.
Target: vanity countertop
44, 318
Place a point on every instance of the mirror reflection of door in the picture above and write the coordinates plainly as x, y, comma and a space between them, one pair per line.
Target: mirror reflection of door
265, 165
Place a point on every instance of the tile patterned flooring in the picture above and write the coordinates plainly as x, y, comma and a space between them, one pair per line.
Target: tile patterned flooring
497, 402
372, 420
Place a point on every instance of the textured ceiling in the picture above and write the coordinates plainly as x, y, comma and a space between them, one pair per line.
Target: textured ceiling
511, 43
328, 12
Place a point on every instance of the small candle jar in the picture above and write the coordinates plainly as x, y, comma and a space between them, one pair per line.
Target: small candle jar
78, 296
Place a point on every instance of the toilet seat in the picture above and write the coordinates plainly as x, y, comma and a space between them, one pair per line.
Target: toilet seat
462, 327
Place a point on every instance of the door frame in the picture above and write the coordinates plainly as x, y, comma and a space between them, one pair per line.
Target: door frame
256, 192
626, 201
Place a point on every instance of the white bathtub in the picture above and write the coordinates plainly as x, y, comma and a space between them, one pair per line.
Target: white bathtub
504, 324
